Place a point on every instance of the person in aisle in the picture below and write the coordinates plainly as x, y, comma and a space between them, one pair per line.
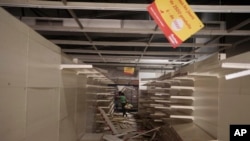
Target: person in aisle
116, 99
123, 101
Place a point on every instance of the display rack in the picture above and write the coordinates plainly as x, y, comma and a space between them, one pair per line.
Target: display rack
167, 102
99, 95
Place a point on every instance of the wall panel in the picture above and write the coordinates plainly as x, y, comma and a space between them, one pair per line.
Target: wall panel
68, 95
73, 104
43, 66
81, 112
12, 114
13, 52
68, 103
13, 55
206, 104
42, 114
29, 83
39, 102
234, 103
67, 130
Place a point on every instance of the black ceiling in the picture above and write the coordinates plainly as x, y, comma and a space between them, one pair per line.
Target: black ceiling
230, 19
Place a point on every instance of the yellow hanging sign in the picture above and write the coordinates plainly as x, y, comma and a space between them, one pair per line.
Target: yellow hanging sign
176, 19
129, 70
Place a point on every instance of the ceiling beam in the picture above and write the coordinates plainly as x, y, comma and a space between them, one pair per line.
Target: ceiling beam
117, 6
132, 52
116, 26
135, 61
151, 37
121, 57
155, 70
72, 13
204, 32
103, 23
132, 64
238, 26
133, 44
244, 40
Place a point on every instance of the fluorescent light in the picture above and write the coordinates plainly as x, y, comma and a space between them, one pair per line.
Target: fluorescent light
182, 107
75, 66
87, 72
162, 101
182, 117
203, 74
158, 61
182, 97
237, 74
236, 65
182, 87
153, 61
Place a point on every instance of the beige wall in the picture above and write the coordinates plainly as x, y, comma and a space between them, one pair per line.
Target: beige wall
13, 53
38, 101
234, 103
29, 84
68, 95
206, 104
219, 102
81, 112
205, 124
72, 106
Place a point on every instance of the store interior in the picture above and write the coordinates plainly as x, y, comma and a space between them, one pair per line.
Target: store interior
63, 65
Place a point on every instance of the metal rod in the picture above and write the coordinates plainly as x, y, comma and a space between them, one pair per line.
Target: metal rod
235, 44
228, 31
203, 32
238, 26
159, 53
133, 44
72, 13
118, 6
125, 57
148, 44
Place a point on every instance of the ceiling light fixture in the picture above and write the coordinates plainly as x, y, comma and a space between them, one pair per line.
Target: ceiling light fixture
75, 66
237, 74
153, 61
182, 87
236, 65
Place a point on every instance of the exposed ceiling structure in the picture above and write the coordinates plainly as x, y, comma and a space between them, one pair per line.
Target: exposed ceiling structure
121, 33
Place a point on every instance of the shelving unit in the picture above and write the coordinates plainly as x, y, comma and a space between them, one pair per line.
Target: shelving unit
99, 95
167, 102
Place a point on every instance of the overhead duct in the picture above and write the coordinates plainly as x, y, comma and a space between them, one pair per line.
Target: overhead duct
116, 6
206, 41
132, 27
